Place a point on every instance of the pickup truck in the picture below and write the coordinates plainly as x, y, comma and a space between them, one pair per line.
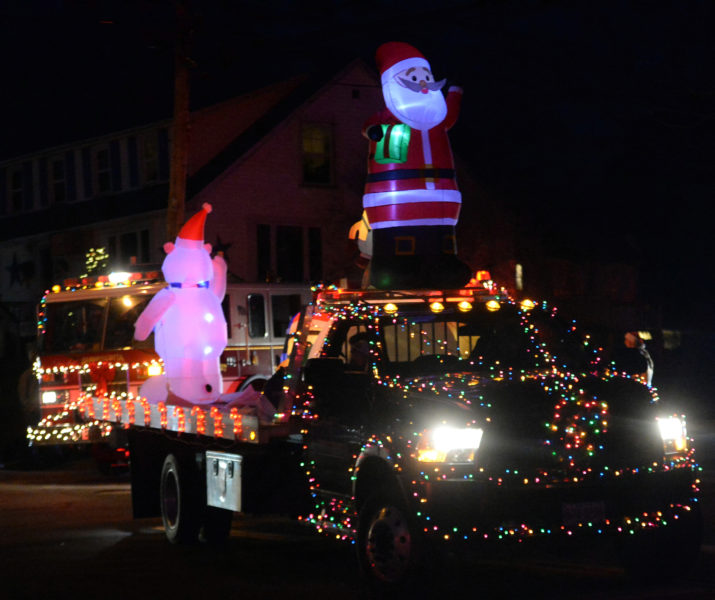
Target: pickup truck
408, 421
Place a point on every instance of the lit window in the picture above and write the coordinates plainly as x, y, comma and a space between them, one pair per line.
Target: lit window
519, 277
317, 147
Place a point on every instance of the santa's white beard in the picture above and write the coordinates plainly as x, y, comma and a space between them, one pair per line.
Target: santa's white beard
418, 110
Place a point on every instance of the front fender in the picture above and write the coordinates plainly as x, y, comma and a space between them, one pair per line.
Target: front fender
377, 466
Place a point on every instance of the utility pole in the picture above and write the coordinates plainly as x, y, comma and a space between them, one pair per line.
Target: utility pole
180, 133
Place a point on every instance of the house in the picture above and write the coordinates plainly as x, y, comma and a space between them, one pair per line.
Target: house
283, 167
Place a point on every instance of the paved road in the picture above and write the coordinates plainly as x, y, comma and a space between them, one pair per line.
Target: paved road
69, 532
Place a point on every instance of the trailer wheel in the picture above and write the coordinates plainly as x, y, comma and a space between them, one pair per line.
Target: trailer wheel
180, 508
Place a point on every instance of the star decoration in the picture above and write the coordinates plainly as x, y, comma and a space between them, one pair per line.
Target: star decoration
220, 246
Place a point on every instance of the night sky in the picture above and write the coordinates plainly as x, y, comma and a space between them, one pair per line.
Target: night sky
593, 120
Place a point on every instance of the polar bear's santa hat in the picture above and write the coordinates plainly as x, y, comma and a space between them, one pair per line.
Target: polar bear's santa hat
191, 234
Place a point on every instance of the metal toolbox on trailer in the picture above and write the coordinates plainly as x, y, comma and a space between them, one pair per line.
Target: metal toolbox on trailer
223, 480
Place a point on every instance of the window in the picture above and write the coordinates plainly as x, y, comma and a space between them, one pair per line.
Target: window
103, 172
289, 253
74, 326
129, 248
150, 158
123, 313
58, 180
283, 308
16, 190
317, 146
519, 277
256, 316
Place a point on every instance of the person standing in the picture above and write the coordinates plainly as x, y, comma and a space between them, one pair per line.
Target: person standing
634, 358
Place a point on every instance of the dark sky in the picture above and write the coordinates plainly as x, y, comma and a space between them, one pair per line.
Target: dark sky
595, 119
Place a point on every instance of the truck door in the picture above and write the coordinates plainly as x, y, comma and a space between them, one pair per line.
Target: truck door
343, 397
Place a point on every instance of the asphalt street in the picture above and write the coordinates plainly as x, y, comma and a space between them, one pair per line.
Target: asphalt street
68, 532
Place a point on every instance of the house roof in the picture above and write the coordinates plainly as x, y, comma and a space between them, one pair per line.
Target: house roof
260, 112
244, 121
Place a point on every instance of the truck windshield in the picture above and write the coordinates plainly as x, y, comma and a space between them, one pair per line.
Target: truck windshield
123, 313
92, 325
427, 343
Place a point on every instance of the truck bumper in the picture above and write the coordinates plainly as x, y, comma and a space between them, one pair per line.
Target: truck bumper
485, 510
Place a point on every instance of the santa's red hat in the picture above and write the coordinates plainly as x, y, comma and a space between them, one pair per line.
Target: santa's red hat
192, 233
393, 57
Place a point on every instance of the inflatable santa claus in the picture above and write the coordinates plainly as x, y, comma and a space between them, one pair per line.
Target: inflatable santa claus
411, 197
186, 317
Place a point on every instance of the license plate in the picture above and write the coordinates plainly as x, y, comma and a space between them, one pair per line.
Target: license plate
573, 513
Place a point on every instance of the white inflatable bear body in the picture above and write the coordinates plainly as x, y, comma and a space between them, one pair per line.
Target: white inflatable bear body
189, 326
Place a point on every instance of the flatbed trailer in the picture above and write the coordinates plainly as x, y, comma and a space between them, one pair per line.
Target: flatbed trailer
196, 465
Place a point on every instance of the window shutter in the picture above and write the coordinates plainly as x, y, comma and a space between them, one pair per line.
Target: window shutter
3, 192
70, 179
44, 183
115, 164
28, 196
163, 153
87, 172
133, 161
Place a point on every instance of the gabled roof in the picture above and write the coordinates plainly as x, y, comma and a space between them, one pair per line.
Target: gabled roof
261, 112
220, 124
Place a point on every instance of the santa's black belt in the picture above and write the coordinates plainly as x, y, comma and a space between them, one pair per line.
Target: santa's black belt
410, 174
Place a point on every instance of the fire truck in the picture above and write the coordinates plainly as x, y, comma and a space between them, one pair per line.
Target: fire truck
86, 345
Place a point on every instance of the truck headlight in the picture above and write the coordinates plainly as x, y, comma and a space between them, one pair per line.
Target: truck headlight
673, 433
449, 444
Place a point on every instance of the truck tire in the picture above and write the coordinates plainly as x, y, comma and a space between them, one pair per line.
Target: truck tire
180, 506
390, 546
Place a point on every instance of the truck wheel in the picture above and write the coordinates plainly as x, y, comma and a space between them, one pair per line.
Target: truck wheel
216, 525
180, 509
390, 546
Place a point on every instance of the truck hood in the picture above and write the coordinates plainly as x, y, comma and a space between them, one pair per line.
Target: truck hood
610, 421
458, 397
